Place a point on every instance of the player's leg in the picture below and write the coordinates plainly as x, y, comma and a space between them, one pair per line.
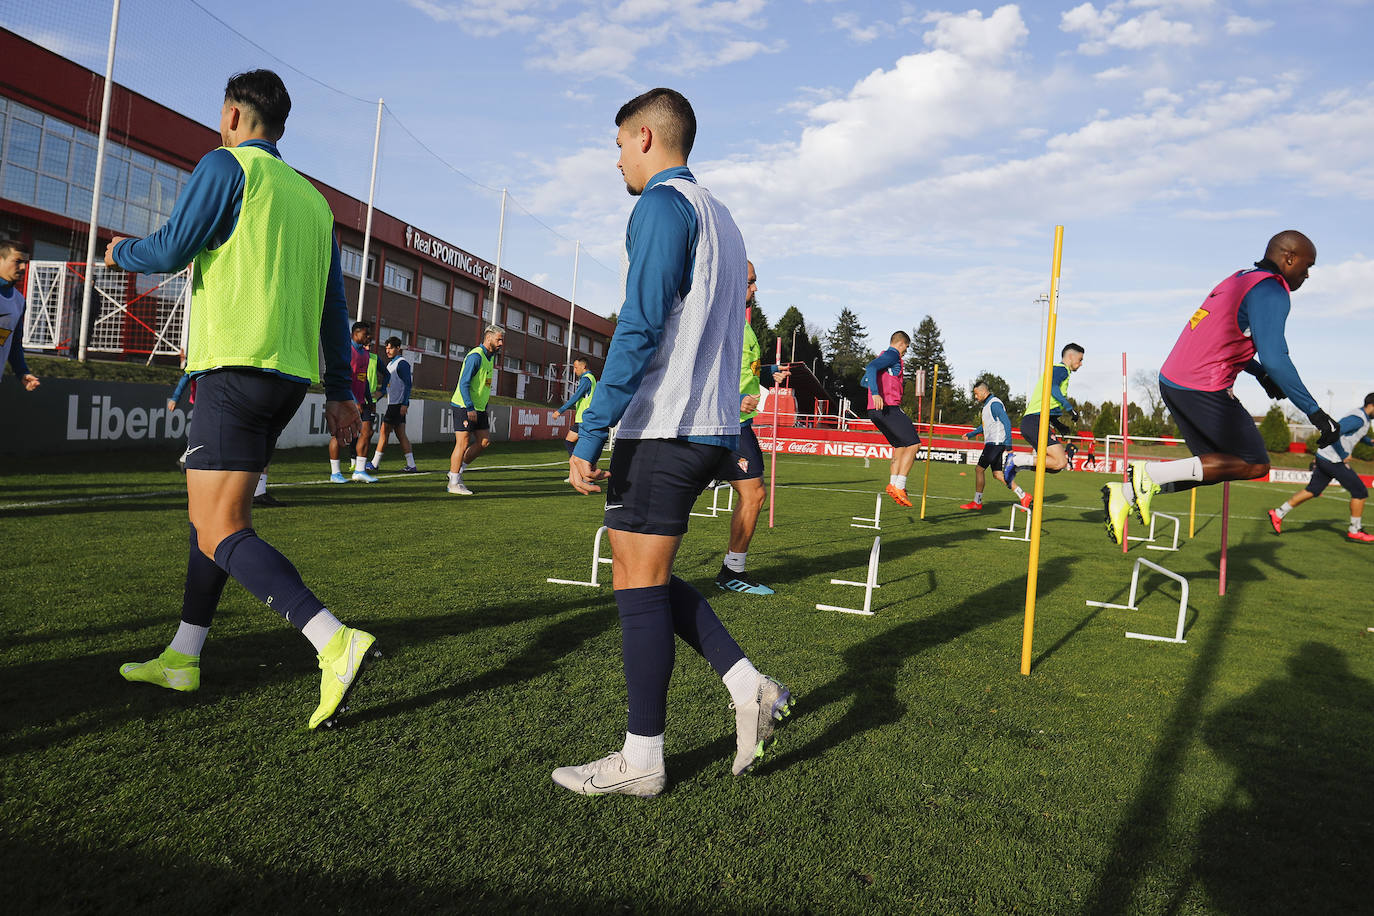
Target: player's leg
360, 470
383, 435
743, 469
403, 440
461, 437
336, 474
1313, 489
901, 434
1358, 493
1056, 458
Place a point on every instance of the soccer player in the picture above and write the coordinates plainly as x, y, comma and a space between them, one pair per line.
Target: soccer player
746, 473
1239, 326
469, 406
1330, 464
883, 379
678, 332
996, 432
269, 294
360, 358
13, 257
398, 385
581, 397
1056, 453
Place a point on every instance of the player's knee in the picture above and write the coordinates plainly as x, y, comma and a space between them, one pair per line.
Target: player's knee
752, 496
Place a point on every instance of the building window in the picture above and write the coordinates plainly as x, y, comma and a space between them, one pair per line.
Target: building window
464, 300
351, 258
456, 351
584, 343
401, 279
515, 320
432, 289
598, 348
556, 333
388, 333
432, 345
536, 326
534, 369
511, 363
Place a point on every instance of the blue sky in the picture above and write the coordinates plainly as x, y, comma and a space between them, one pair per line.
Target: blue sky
901, 159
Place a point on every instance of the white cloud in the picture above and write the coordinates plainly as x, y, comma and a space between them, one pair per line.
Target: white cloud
862, 34
1112, 74
972, 37
1243, 25
1105, 28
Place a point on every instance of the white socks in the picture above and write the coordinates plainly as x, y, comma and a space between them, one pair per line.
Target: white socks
978, 498
320, 629
1283, 510
453, 478
190, 639
377, 458
735, 561
410, 459
334, 466
742, 680
897, 480
1355, 524
360, 464
1162, 472
1024, 459
262, 484
644, 752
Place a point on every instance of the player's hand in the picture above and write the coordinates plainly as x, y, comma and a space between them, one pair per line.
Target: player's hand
472, 416
878, 401
583, 474
748, 404
1327, 430
171, 405
1270, 386
404, 409
344, 420
557, 414
109, 250
780, 375
31, 382
968, 435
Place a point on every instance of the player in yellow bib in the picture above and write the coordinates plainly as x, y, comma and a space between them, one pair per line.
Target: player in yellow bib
469, 407
581, 397
266, 296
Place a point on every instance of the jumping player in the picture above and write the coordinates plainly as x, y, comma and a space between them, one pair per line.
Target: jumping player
746, 474
581, 397
1239, 326
469, 406
996, 432
269, 294
883, 379
1330, 464
1057, 455
679, 330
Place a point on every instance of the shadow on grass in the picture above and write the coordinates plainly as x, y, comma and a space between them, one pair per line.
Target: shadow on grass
1295, 834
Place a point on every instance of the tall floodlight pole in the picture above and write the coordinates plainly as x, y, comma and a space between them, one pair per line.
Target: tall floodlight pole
93, 228
367, 227
572, 308
496, 281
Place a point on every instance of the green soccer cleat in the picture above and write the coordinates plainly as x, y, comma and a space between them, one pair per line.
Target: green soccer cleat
341, 663
171, 669
1117, 509
1145, 490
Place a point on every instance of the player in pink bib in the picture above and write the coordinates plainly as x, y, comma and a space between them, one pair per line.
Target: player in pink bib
883, 380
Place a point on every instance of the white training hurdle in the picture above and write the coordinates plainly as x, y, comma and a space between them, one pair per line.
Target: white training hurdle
1132, 606
717, 509
1149, 541
873, 522
1011, 526
597, 560
867, 586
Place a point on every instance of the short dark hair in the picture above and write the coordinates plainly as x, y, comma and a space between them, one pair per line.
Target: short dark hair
982, 383
394, 341
903, 336
581, 359
677, 123
7, 246
1369, 399
1070, 346
359, 326
264, 93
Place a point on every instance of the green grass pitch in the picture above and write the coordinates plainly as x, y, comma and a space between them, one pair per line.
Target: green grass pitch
919, 773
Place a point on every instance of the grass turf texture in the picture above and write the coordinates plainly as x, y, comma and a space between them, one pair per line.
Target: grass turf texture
920, 771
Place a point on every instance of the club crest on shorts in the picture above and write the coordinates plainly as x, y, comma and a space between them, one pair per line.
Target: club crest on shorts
743, 464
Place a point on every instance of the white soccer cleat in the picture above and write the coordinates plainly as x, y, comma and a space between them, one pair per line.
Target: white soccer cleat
611, 775
459, 489
754, 723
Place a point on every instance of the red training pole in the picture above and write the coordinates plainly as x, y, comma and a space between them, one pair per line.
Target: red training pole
1125, 453
1225, 517
773, 473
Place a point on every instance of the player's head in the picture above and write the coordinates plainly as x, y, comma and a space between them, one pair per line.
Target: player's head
393, 346
494, 337
13, 257
1071, 356
654, 131
256, 104
580, 365
981, 391
752, 288
1369, 404
1294, 254
900, 340
361, 329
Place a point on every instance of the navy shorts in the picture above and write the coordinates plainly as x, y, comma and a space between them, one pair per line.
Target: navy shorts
992, 456
575, 428
239, 415
1030, 430
368, 413
1323, 472
1215, 421
393, 416
654, 483
460, 420
895, 426
746, 461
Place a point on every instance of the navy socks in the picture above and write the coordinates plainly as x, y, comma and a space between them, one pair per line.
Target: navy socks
261, 569
649, 618
204, 584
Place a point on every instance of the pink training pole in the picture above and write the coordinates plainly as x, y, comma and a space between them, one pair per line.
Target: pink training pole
1225, 517
773, 473
1125, 453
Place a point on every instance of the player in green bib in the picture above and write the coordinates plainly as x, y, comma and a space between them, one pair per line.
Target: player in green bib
581, 397
266, 297
471, 425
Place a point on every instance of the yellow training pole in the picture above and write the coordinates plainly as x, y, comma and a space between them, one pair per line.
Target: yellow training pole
934, 384
1192, 512
1037, 511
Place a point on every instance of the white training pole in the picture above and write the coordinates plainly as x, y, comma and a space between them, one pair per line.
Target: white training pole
367, 226
500, 243
597, 560
572, 308
873, 522
868, 585
93, 229
1132, 606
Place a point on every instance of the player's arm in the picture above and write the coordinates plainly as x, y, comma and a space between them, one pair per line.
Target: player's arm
999, 413
17, 362
1266, 310
659, 241
974, 433
580, 392
470, 364
175, 397
1059, 403
204, 216
403, 373
335, 337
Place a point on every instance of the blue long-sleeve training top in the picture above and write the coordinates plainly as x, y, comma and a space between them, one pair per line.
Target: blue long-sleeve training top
180, 388
204, 217
584, 385
1264, 313
661, 242
471, 363
886, 360
1058, 403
